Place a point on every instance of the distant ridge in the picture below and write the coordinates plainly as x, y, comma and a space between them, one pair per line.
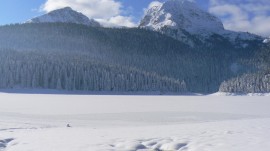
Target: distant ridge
65, 15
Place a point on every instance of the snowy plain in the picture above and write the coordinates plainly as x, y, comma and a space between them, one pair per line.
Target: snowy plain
37, 122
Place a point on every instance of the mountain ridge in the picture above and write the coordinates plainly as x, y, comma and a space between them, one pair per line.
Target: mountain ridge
130, 59
65, 15
177, 57
182, 18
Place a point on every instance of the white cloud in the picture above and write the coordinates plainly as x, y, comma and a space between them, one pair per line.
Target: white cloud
106, 11
117, 21
252, 16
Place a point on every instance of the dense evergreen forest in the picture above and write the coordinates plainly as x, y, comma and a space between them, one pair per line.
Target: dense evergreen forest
254, 81
77, 57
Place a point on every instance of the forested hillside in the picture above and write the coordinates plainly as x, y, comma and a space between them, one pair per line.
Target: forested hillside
76, 72
254, 81
77, 57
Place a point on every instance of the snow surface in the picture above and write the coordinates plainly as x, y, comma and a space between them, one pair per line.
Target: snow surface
239, 94
266, 40
37, 122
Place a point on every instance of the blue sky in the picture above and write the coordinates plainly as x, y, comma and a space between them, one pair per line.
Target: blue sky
16, 11
239, 15
13, 11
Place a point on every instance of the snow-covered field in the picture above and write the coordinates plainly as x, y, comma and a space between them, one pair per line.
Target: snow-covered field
30, 122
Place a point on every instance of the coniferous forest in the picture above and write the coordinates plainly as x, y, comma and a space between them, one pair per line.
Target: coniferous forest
77, 57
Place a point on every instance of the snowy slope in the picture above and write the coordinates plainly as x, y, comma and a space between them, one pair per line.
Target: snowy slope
65, 15
133, 123
267, 40
182, 18
239, 94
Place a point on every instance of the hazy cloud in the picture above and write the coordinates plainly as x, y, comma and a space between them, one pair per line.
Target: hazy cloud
117, 21
239, 15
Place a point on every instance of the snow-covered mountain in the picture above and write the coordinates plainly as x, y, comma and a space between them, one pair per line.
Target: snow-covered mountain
183, 19
65, 15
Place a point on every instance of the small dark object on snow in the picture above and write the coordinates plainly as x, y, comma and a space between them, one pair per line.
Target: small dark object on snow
68, 125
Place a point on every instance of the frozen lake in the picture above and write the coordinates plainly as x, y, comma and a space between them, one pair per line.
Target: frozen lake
133, 123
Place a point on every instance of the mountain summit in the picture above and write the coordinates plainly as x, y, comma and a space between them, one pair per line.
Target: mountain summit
185, 21
181, 14
65, 15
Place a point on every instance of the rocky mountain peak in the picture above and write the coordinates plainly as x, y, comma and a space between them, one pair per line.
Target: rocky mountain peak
65, 15
181, 14
185, 21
